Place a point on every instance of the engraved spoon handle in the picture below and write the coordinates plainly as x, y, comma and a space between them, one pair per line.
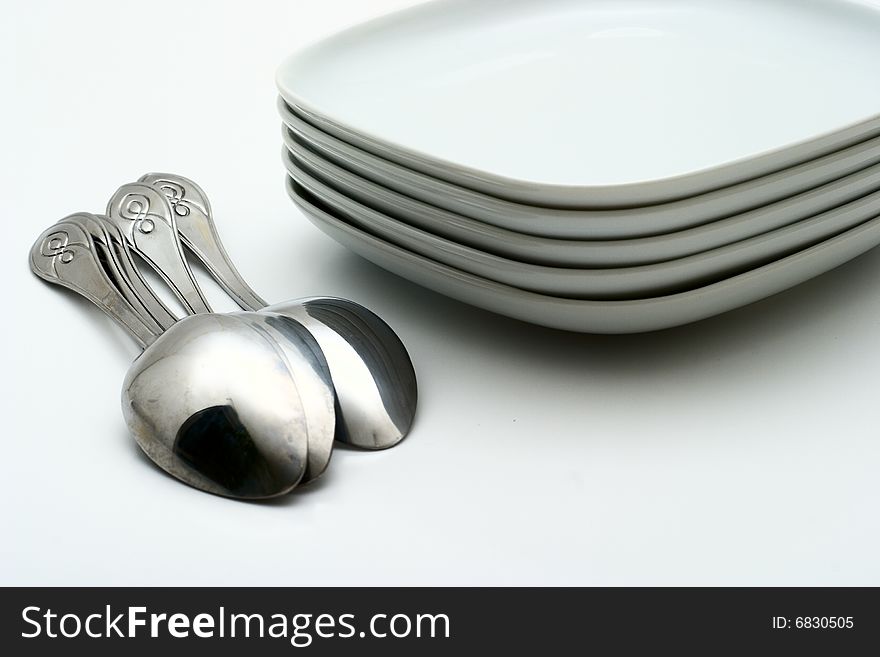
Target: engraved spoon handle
146, 296
65, 254
195, 225
106, 256
146, 220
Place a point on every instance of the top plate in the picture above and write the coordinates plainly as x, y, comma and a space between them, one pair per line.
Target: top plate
599, 103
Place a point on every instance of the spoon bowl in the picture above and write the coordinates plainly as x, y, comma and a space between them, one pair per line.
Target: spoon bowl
370, 367
214, 403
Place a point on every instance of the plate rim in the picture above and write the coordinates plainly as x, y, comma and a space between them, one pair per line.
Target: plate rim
615, 195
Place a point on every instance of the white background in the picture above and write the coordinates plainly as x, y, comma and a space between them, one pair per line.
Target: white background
741, 450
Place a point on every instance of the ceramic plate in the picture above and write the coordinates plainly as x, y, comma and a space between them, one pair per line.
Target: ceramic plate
596, 316
586, 224
584, 253
617, 283
603, 103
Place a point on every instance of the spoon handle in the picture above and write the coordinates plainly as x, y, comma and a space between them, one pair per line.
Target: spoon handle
65, 254
195, 225
106, 256
147, 223
152, 304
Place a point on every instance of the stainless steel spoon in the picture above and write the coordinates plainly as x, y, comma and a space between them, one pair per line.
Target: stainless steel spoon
212, 400
296, 345
371, 370
304, 357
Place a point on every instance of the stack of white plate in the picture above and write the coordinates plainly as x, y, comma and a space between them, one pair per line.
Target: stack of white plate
605, 166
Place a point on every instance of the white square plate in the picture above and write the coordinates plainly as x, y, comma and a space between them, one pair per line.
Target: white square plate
599, 103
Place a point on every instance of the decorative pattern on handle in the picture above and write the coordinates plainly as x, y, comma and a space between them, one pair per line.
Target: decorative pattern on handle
176, 196
55, 246
197, 231
136, 208
68, 255
149, 225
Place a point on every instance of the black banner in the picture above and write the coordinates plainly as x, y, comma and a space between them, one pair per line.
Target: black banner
280, 621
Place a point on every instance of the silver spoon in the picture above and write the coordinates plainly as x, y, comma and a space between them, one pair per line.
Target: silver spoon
296, 345
212, 401
371, 370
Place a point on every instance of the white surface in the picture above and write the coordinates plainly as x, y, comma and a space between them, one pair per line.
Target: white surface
600, 102
742, 450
